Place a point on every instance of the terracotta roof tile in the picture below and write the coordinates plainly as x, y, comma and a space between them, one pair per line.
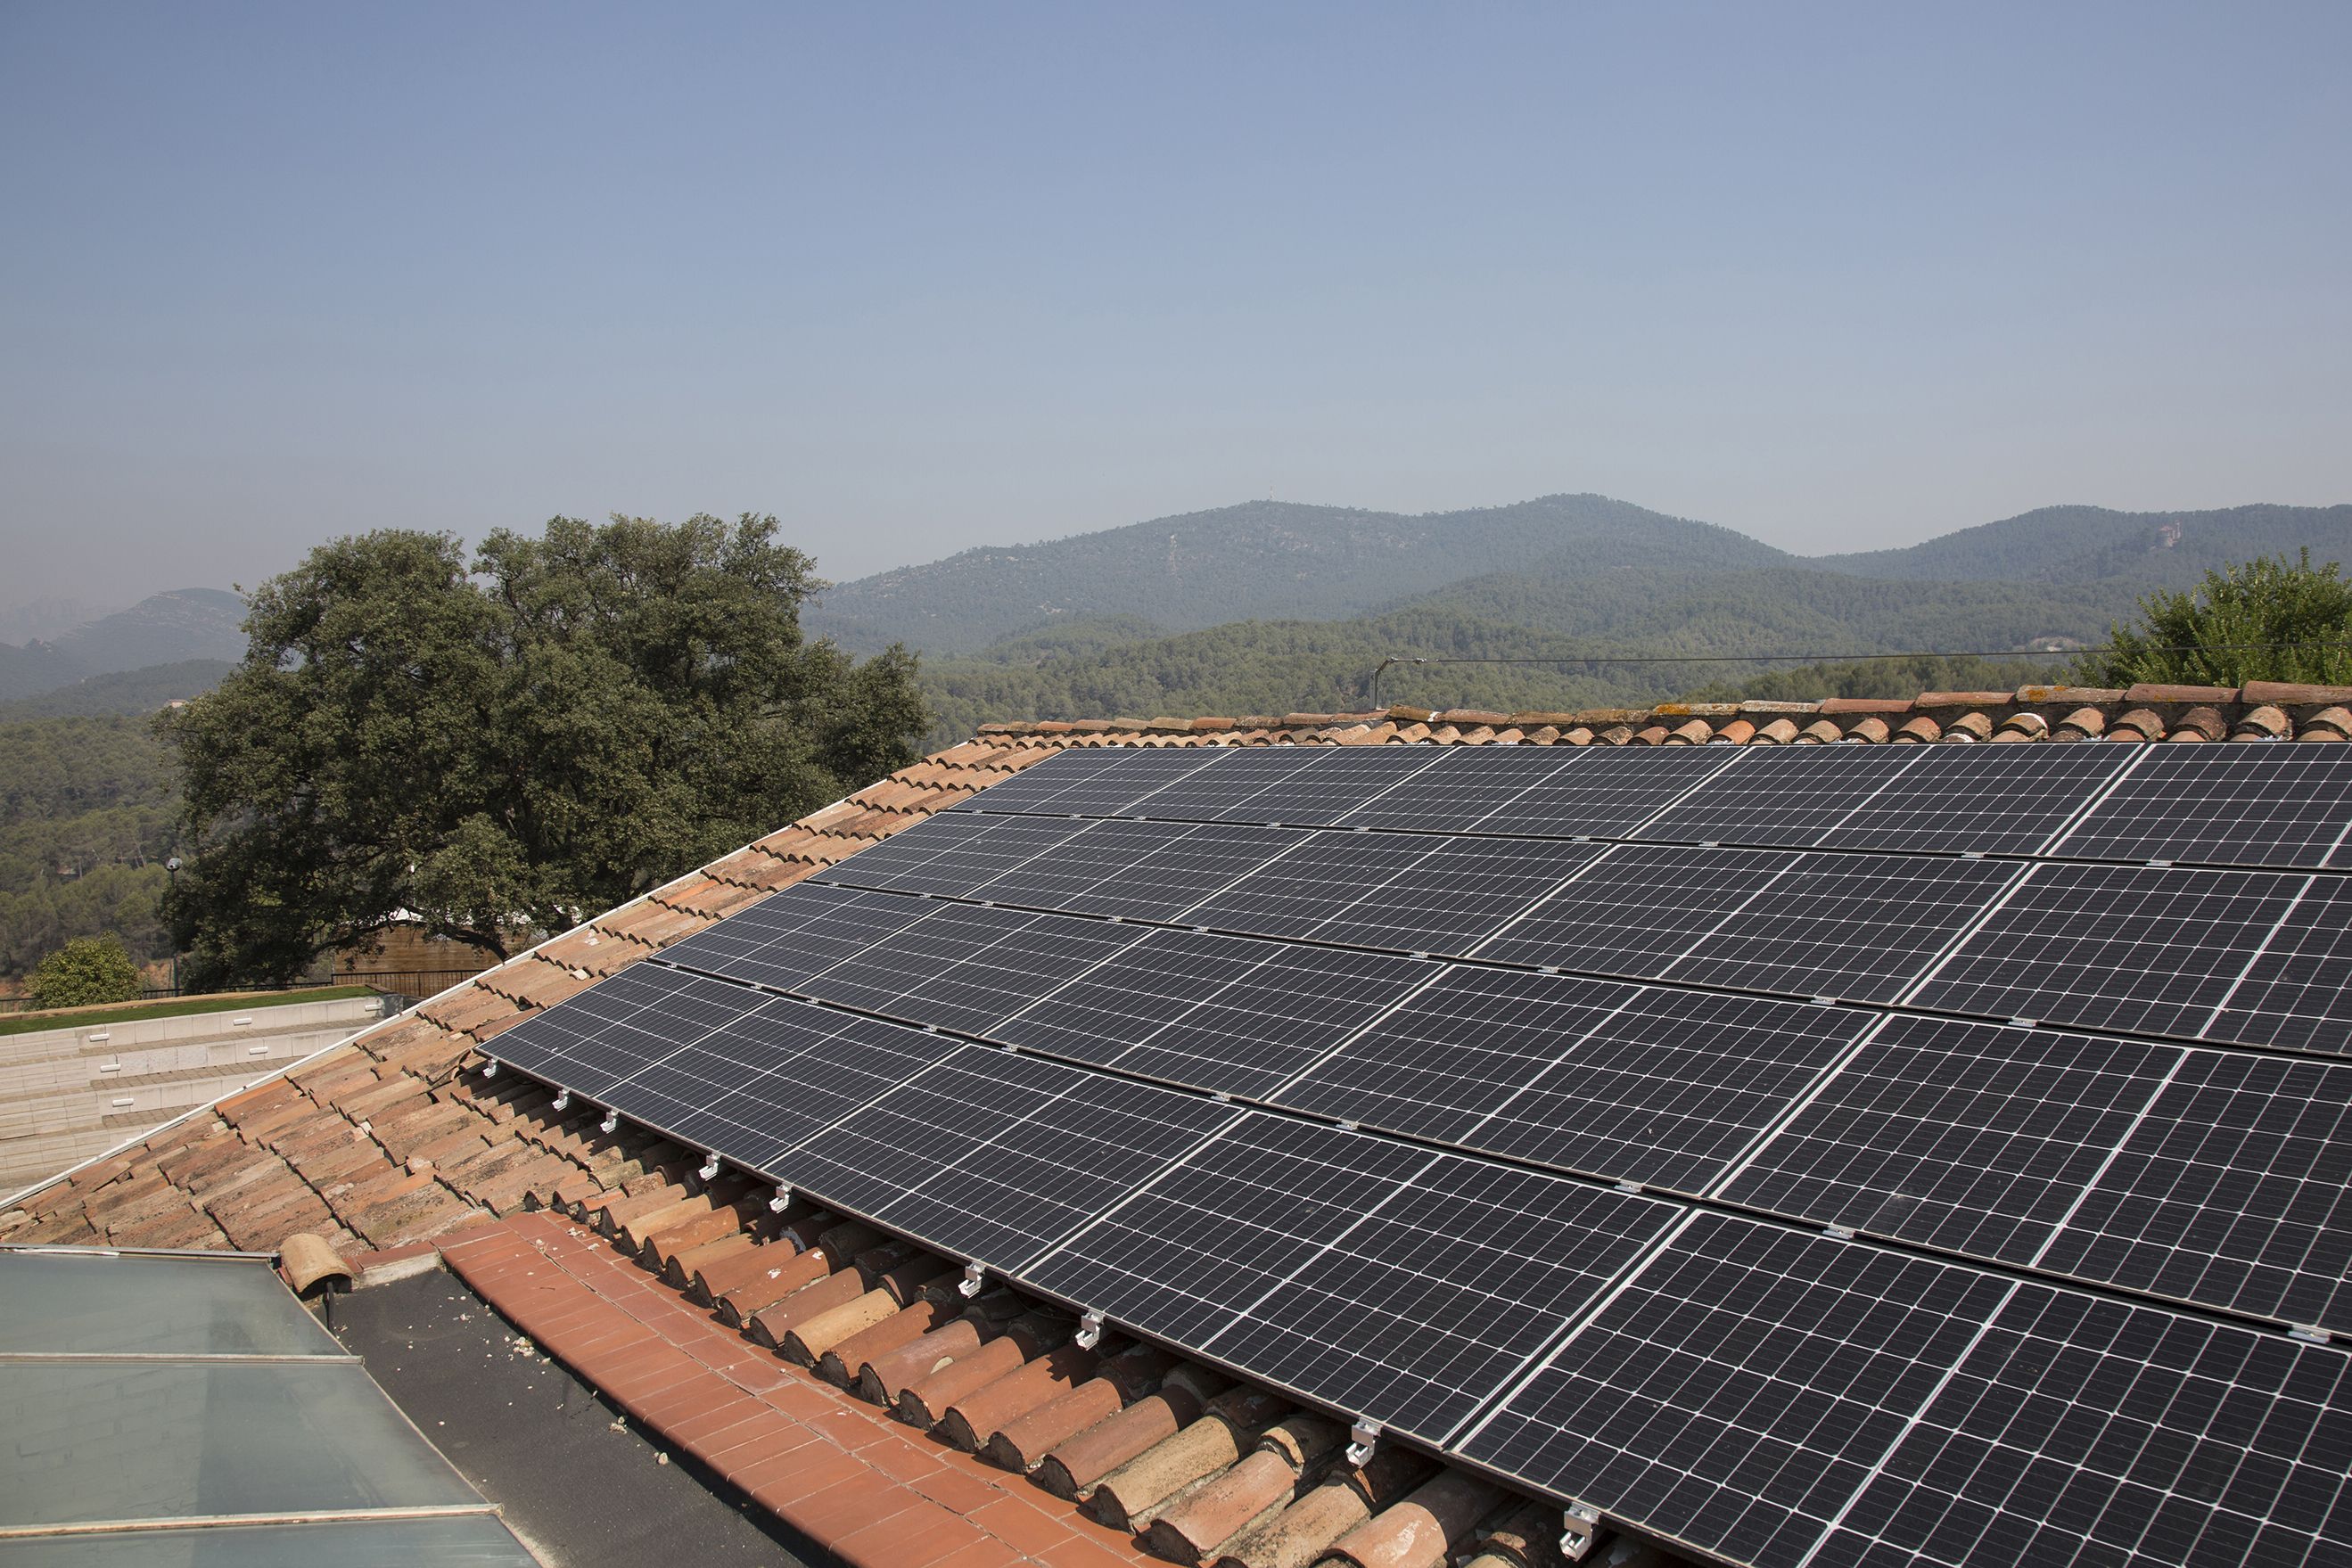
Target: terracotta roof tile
2264, 723
2146, 693
1920, 728
2085, 723
2287, 693
2200, 724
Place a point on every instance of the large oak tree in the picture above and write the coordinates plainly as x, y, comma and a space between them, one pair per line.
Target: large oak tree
512, 744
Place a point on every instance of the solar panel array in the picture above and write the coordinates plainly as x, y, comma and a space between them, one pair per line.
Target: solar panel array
1861, 1155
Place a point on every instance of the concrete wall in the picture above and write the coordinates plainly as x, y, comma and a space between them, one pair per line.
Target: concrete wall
69, 1093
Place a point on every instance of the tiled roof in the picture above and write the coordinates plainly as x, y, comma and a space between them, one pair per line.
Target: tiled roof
385, 1142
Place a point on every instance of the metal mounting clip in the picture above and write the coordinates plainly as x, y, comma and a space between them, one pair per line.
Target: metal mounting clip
489, 1070
611, 1122
968, 1286
784, 1198
1090, 1327
709, 1171
562, 1099
1579, 1527
1362, 1438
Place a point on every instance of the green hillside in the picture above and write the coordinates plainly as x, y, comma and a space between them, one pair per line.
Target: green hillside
1562, 562
2089, 544
87, 809
1262, 560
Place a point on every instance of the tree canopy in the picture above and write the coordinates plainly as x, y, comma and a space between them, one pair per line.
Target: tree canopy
2269, 619
85, 971
513, 744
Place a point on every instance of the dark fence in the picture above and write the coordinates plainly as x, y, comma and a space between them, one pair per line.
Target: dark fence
403, 988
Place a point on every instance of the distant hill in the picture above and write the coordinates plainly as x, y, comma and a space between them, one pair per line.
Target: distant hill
2089, 544
162, 629
1261, 560
1582, 564
124, 692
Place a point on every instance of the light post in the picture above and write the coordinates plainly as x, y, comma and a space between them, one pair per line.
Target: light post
171, 882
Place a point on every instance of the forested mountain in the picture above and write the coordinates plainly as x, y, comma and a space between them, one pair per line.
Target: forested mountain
165, 628
124, 692
1261, 560
2089, 544
1567, 563
1281, 667
87, 809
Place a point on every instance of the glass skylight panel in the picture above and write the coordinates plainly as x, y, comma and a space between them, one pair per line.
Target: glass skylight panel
95, 1301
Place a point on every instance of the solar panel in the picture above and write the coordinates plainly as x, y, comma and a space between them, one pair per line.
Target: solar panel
2295, 994
1403, 892
1144, 871
1791, 797
964, 965
2234, 1189
1291, 784
1856, 927
1611, 793
755, 1087
1334, 781
1922, 799
1396, 1284
1971, 1137
1464, 785
1635, 1083
2232, 804
618, 1026
1096, 782
1222, 1013
2079, 1432
1741, 1387
1847, 926
992, 1157
2150, 950
1636, 909
782, 940
952, 852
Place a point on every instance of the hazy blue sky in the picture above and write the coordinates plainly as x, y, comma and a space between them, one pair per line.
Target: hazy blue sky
916, 278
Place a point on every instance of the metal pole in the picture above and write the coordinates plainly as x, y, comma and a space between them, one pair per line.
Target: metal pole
171, 882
